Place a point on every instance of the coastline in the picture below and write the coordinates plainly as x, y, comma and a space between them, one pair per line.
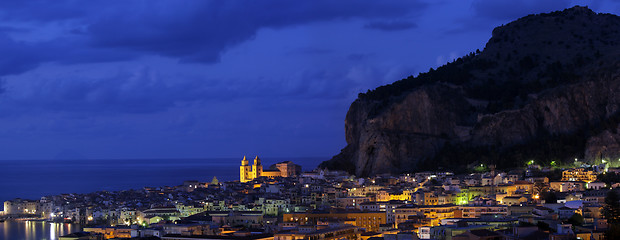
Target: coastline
33, 179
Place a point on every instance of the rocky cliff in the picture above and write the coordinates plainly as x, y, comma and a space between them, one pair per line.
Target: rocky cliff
545, 87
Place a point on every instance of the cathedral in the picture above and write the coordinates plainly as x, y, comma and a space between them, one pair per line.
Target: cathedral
249, 172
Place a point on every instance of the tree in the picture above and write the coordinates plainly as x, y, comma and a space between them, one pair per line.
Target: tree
613, 232
549, 197
611, 209
609, 178
540, 187
611, 212
543, 226
576, 219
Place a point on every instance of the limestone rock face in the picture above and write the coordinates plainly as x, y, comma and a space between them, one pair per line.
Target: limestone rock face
416, 126
557, 111
604, 146
542, 75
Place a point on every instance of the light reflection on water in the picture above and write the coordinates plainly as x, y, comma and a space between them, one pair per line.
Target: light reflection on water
35, 230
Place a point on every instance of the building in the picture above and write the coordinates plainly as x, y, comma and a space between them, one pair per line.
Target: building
189, 229
351, 202
235, 236
313, 232
371, 221
448, 232
387, 207
110, 232
155, 215
82, 236
513, 200
21, 206
578, 174
478, 234
568, 186
434, 212
239, 218
595, 185
287, 169
473, 211
249, 172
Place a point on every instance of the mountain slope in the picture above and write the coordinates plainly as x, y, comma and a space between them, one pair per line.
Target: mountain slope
545, 87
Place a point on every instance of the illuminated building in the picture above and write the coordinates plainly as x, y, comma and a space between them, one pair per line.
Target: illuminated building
388, 207
273, 206
191, 229
448, 232
287, 169
513, 200
591, 212
567, 186
481, 233
426, 198
249, 172
244, 218
436, 213
110, 232
188, 210
82, 235
154, 215
21, 206
313, 232
351, 202
382, 194
478, 211
405, 195
578, 174
518, 188
433, 212
368, 220
595, 185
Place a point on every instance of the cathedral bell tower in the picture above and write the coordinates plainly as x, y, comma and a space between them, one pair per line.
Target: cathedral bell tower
245, 171
257, 168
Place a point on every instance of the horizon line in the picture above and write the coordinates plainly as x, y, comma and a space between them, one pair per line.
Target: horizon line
180, 158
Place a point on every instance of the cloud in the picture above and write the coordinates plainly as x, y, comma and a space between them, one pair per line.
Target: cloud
359, 56
511, 10
201, 31
21, 56
43, 11
149, 90
143, 91
390, 26
188, 31
12, 29
312, 51
18, 57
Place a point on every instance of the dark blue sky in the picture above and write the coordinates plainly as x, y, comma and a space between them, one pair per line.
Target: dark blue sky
193, 79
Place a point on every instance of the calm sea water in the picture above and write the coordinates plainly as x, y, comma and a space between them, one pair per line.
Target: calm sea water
31, 230
33, 179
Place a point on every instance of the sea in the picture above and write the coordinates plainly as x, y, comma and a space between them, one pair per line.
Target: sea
33, 179
35, 230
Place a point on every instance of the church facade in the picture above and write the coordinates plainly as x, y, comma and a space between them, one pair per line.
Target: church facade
249, 172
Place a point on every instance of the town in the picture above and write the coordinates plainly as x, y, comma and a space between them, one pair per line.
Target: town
281, 202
